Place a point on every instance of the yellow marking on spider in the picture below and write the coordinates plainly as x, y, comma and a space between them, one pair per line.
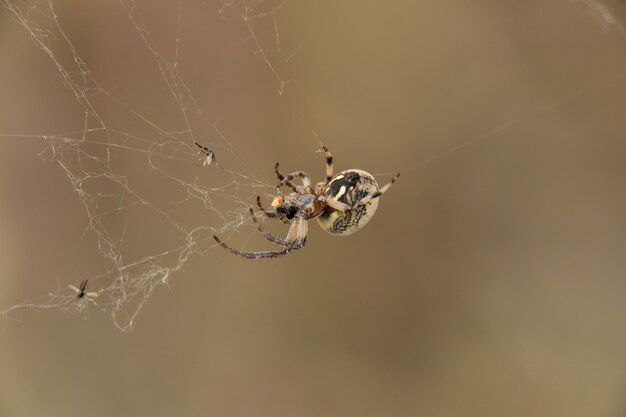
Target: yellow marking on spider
277, 202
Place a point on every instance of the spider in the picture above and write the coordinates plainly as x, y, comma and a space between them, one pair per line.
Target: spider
342, 204
82, 292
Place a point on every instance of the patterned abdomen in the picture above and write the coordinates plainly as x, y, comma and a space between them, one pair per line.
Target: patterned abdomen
349, 187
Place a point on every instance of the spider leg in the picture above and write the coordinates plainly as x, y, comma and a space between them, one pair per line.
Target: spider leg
338, 205
306, 180
329, 164
283, 180
379, 192
287, 179
260, 254
297, 232
252, 255
269, 236
268, 212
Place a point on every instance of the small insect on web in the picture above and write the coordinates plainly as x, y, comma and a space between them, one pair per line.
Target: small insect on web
342, 204
208, 156
82, 293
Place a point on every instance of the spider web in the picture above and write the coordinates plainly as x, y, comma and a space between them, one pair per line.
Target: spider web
137, 171
108, 158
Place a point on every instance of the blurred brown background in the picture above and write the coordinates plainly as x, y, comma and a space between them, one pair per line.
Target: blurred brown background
491, 282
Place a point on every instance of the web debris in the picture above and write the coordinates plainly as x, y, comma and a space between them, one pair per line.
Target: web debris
254, 13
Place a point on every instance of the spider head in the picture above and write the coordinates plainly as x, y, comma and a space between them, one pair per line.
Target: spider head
278, 201
285, 208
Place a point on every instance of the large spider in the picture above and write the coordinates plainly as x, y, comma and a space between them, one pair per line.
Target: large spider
342, 204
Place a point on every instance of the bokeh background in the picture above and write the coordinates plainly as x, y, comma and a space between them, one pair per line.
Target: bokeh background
491, 282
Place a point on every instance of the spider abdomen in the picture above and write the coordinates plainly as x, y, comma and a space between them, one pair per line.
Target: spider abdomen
349, 187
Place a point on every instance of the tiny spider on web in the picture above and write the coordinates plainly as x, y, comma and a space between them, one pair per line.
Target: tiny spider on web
342, 204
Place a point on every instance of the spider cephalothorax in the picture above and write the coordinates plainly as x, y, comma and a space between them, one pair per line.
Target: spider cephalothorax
342, 205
